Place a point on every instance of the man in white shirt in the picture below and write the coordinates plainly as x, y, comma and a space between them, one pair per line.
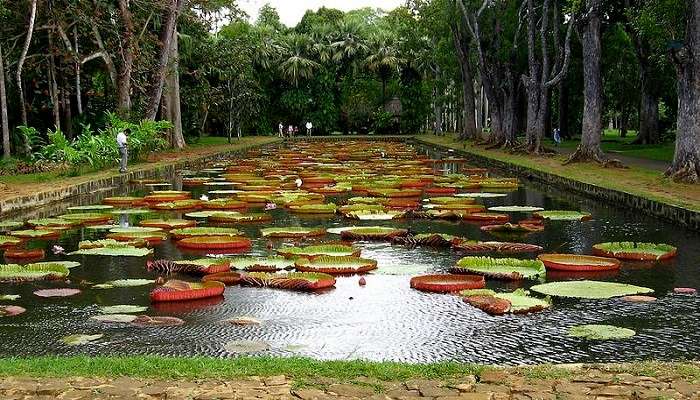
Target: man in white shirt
309, 126
281, 130
122, 144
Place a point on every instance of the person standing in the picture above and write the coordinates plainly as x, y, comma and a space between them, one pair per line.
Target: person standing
309, 127
281, 130
290, 130
122, 137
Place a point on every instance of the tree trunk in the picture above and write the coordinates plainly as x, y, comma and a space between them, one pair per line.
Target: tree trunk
22, 57
437, 110
624, 122
648, 115
124, 80
78, 90
462, 44
563, 117
3, 110
53, 86
173, 92
686, 160
166, 37
592, 118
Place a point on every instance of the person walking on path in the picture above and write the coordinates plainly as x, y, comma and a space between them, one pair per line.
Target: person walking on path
309, 127
556, 135
290, 131
281, 130
122, 137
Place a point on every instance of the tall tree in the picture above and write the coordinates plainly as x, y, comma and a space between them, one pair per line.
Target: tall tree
542, 75
462, 45
686, 58
4, 121
592, 118
23, 57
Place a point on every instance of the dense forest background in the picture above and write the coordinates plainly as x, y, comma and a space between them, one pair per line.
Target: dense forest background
76, 70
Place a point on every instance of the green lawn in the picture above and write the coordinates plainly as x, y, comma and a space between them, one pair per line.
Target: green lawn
612, 143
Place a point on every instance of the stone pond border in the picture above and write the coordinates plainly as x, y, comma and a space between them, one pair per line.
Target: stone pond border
17, 204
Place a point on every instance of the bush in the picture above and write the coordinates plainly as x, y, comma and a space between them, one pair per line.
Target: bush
98, 150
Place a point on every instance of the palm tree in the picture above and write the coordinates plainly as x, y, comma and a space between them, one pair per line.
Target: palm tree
297, 65
350, 46
384, 59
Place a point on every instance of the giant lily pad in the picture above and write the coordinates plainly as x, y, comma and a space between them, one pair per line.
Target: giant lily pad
521, 302
558, 215
35, 234
500, 268
292, 232
9, 241
515, 209
95, 207
336, 265
205, 231
113, 252
261, 264
32, 272
87, 217
9, 297
131, 211
589, 289
146, 321
115, 318
64, 292
122, 309
246, 346
167, 223
304, 281
336, 250
372, 233
601, 332
11, 311
79, 339
375, 216
6, 226
635, 251
123, 283
484, 195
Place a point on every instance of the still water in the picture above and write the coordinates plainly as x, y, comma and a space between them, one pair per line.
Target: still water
386, 319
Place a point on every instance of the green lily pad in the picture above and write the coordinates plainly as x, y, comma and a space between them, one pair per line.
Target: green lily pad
501, 268
206, 231
131, 211
9, 297
113, 252
32, 272
601, 332
135, 229
559, 215
51, 222
247, 263
521, 302
246, 346
67, 264
589, 289
484, 195
6, 226
9, 240
207, 214
337, 250
122, 309
516, 209
123, 283
115, 318
75, 340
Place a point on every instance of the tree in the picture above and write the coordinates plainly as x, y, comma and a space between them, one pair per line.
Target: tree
542, 75
4, 120
462, 44
297, 64
384, 59
592, 119
23, 57
686, 58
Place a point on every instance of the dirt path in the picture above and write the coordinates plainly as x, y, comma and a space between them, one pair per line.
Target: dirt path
580, 383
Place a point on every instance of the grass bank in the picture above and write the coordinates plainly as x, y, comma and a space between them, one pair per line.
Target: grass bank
18, 185
613, 143
640, 182
305, 369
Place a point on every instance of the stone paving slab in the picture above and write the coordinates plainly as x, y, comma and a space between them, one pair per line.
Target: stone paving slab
491, 385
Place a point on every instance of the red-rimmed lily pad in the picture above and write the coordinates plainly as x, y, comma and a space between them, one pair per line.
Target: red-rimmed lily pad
261, 264
589, 289
292, 232
303, 281
335, 250
32, 272
577, 262
561, 215
496, 247
9, 241
214, 243
366, 233
225, 218
205, 231
227, 278
175, 290
168, 223
446, 283
500, 268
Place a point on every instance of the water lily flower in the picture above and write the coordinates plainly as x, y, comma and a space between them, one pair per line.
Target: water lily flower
57, 249
204, 197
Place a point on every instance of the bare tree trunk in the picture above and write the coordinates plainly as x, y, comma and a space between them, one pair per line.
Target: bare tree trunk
648, 114
124, 81
3, 110
437, 105
78, 90
592, 119
166, 37
22, 57
53, 86
563, 117
461, 42
686, 160
173, 92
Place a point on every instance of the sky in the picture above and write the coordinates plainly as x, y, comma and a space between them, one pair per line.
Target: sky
291, 11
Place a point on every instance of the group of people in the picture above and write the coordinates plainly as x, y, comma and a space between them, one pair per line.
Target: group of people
292, 130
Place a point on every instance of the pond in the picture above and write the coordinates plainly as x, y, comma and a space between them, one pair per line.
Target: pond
385, 319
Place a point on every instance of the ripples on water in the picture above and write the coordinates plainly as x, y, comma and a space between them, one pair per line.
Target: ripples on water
386, 320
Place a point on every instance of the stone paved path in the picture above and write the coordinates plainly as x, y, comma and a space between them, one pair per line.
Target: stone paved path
491, 385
